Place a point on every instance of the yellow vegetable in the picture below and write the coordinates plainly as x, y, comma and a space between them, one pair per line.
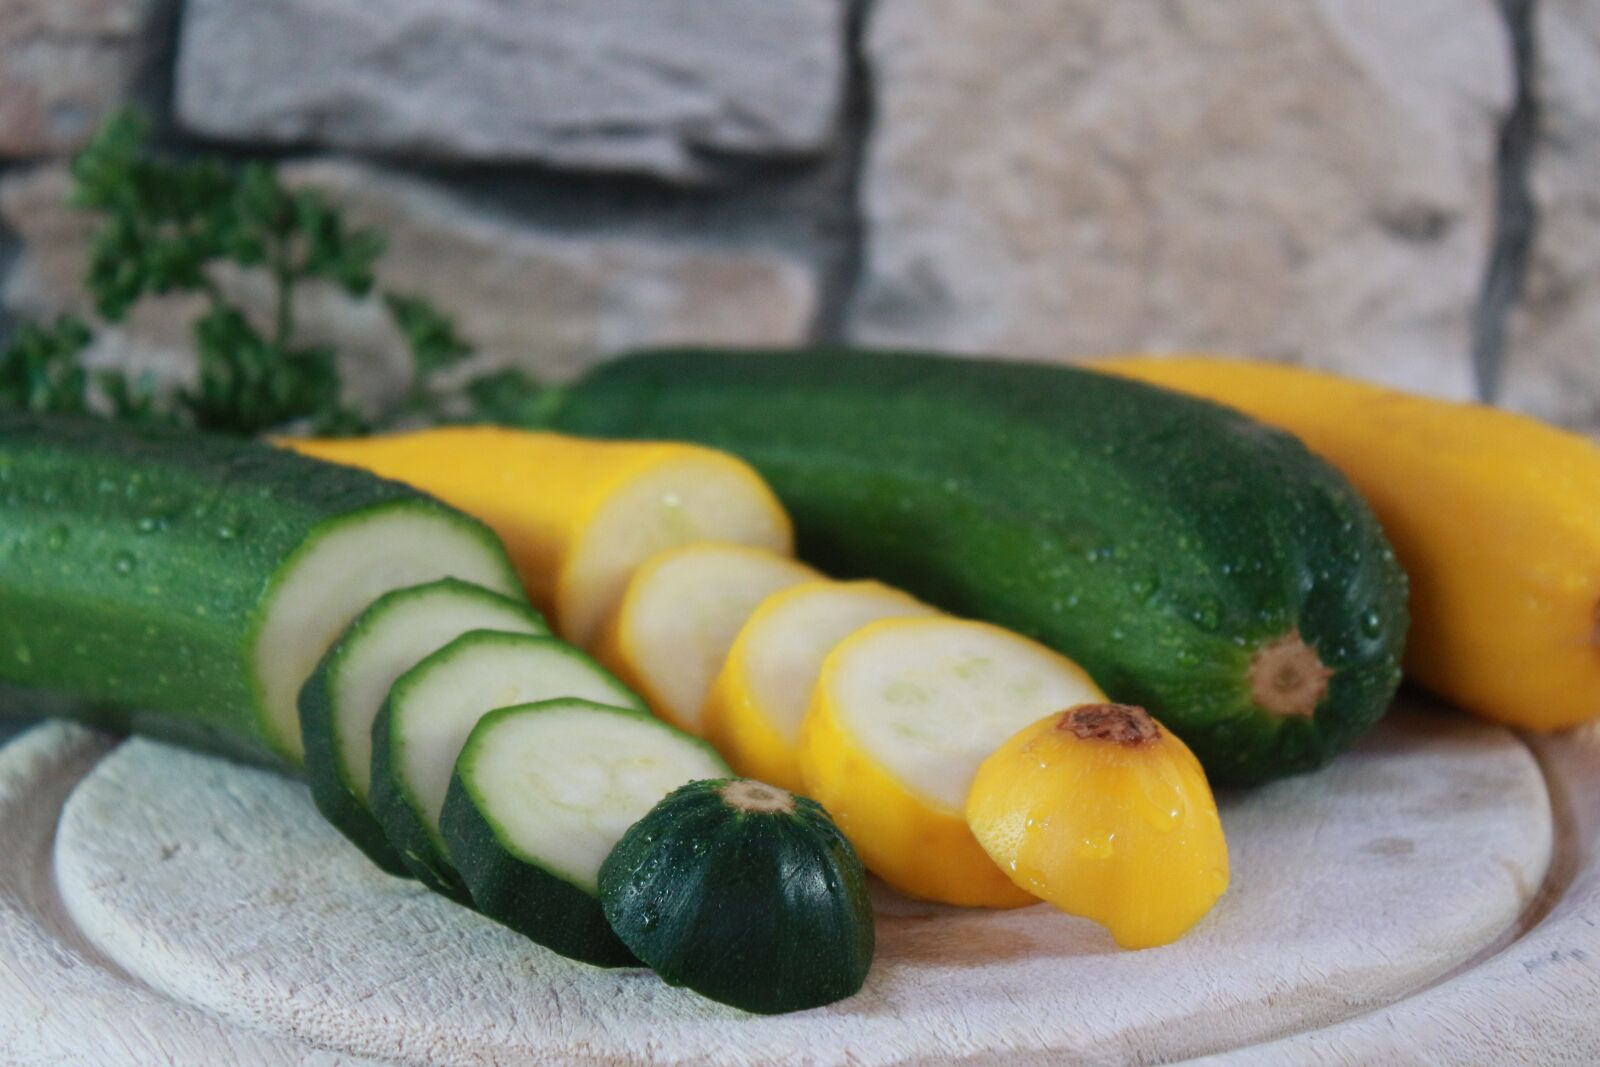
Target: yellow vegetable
578, 516
680, 614
904, 712
1496, 517
1104, 814
760, 697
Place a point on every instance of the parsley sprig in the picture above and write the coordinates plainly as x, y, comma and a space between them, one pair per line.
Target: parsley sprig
171, 227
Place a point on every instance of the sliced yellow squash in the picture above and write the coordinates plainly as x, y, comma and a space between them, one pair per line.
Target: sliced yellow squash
1105, 814
679, 616
760, 697
577, 515
903, 714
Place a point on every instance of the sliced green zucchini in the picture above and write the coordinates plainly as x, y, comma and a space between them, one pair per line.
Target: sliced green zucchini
541, 794
343, 695
430, 712
195, 581
744, 893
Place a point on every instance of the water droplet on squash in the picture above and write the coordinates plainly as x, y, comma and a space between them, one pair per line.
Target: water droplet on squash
1371, 623
123, 563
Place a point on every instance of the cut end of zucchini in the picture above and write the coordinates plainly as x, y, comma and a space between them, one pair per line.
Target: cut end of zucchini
397, 632
1118, 724
340, 570
757, 798
691, 494
561, 781
434, 707
680, 616
1288, 678
930, 699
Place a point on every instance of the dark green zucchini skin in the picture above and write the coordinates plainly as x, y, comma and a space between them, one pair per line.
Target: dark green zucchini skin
528, 899
333, 797
134, 563
1159, 540
765, 910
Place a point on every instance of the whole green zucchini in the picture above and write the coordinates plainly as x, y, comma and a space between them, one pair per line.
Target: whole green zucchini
1194, 561
187, 584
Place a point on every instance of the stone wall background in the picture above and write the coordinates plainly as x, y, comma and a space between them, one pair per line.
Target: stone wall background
1407, 192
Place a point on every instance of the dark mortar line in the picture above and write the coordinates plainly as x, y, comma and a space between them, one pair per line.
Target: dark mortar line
1516, 218
841, 270
10, 253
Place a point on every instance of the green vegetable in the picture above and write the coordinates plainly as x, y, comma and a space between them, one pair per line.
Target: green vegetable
341, 699
540, 795
744, 893
173, 227
429, 714
1195, 562
196, 580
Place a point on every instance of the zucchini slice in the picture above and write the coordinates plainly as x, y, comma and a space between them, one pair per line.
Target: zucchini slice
578, 515
429, 714
194, 581
903, 715
744, 893
541, 794
759, 699
341, 699
680, 616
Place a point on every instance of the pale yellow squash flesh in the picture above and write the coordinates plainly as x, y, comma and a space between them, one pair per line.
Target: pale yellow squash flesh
680, 614
759, 701
903, 714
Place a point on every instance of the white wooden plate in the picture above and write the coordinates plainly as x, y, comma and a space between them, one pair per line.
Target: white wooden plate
1432, 897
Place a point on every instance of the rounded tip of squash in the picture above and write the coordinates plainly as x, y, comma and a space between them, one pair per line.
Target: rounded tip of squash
757, 798
1287, 677
1122, 724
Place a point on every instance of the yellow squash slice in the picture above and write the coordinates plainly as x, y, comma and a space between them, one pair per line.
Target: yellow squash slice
578, 516
679, 616
903, 714
760, 698
1104, 814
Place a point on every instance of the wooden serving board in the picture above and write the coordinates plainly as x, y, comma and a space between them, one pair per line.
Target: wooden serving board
1432, 897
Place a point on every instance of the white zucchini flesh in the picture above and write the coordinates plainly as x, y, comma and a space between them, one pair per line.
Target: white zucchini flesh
339, 572
687, 498
561, 783
931, 699
435, 705
681, 614
395, 635
786, 641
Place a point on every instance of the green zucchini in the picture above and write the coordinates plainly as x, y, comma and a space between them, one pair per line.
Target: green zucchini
193, 581
1194, 561
430, 713
342, 697
744, 893
540, 795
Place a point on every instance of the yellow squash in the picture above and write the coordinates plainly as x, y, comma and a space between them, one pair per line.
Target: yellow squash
1104, 814
1495, 516
902, 715
577, 515
759, 701
682, 610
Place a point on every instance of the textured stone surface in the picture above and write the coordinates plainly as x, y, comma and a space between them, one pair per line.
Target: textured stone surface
1552, 363
553, 303
1306, 180
63, 65
628, 84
